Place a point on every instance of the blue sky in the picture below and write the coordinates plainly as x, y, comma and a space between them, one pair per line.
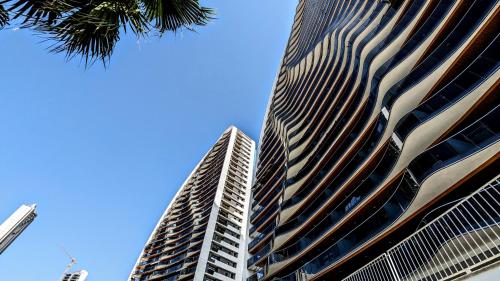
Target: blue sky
102, 152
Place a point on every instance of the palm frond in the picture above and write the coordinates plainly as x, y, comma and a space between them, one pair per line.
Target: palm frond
93, 30
4, 16
33, 11
170, 15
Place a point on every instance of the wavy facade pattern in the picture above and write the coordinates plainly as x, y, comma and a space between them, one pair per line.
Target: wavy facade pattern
382, 115
202, 234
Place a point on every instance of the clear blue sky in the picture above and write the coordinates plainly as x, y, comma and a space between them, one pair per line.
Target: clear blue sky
102, 152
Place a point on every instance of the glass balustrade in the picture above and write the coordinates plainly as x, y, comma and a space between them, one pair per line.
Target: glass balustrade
482, 67
482, 133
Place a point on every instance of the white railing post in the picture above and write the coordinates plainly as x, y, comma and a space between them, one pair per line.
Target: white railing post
466, 235
392, 267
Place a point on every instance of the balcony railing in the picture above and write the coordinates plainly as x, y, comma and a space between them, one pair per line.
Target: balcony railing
269, 212
261, 235
464, 237
259, 255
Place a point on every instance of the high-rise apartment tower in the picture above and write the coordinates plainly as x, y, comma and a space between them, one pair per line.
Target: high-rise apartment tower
80, 275
15, 225
379, 153
202, 234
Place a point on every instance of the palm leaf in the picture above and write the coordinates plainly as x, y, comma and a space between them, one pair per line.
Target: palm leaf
170, 15
4, 16
93, 30
33, 11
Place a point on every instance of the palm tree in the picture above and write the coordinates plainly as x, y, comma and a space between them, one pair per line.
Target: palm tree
91, 28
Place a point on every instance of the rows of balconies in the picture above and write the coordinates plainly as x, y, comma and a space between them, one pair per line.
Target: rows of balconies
481, 134
175, 244
426, 111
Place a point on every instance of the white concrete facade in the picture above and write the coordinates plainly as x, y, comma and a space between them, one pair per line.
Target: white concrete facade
80, 275
15, 225
215, 198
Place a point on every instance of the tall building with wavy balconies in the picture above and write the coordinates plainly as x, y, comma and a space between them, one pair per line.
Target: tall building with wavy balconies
202, 234
379, 153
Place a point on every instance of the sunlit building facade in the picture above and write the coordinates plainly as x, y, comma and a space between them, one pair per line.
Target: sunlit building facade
202, 234
80, 275
11, 228
379, 153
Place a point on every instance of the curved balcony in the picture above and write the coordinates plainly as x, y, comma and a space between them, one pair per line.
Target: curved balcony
320, 92
382, 71
357, 195
293, 103
261, 236
480, 134
338, 22
269, 211
162, 273
269, 184
351, 200
476, 12
332, 87
285, 106
270, 196
259, 255
463, 238
258, 275
341, 29
341, 177
349, 136
482, 68
262, 221
470, 140
317, 26
463, 30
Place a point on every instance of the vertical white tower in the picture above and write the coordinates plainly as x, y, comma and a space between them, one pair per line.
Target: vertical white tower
15, 225
202, 234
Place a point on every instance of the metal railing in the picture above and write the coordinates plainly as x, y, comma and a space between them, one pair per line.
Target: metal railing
452, 245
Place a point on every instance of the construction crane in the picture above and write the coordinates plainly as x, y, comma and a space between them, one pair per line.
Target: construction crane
73, 261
